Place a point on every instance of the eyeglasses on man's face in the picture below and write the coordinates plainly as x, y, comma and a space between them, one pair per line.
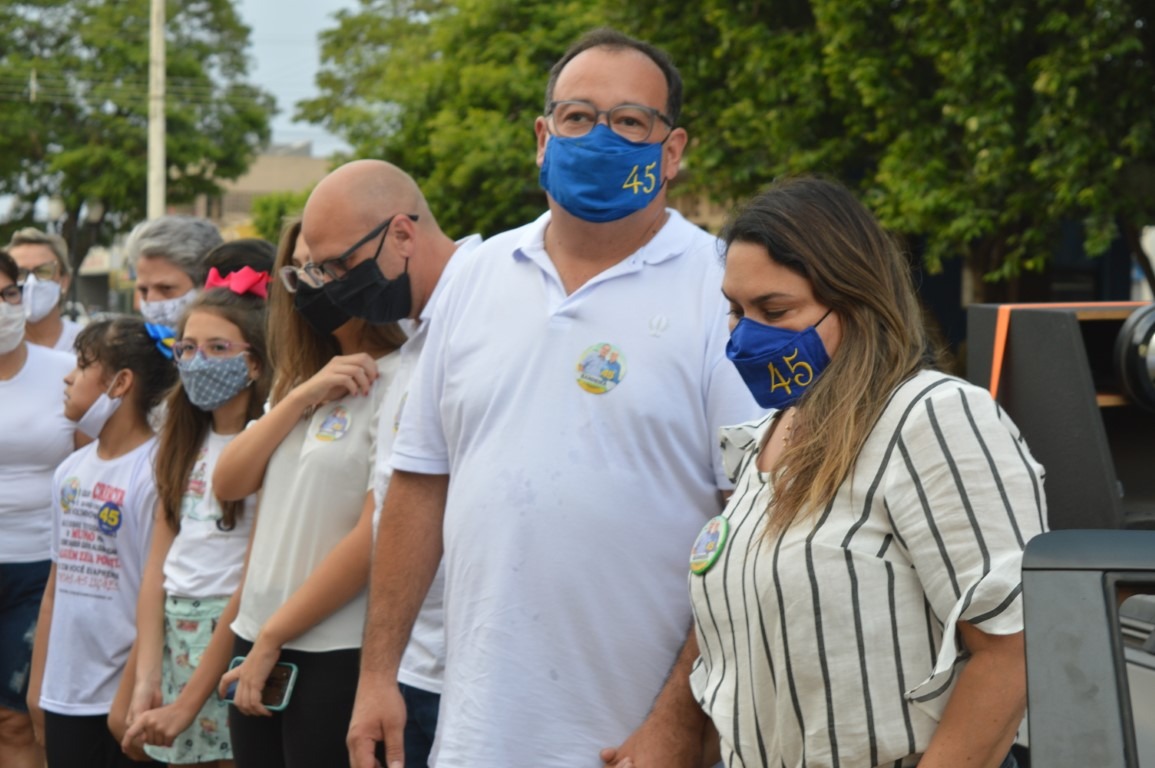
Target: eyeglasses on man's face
575, 118
45, 271
12, 294
186, 351
292, 277
338, 266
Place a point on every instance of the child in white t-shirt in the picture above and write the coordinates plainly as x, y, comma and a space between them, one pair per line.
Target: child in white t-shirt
198, 542
103, 499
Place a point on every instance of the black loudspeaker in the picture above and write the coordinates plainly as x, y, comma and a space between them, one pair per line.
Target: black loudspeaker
1077, 380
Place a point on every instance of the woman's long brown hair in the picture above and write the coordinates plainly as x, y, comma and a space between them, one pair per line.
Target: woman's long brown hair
818, 229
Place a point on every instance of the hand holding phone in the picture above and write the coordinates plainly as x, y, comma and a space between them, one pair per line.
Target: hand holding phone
278, 687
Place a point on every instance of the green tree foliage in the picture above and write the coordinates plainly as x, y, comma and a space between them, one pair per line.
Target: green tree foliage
981, 125
74, 102
449, 92
271, 211
978, 125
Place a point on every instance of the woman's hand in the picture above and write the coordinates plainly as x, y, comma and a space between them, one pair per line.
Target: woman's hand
145, 696
343, 375
250, 677
158, 727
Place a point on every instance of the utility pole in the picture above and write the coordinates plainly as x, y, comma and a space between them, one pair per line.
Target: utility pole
157, 161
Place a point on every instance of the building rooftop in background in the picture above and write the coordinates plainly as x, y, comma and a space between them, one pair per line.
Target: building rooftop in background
291, 149
280, 168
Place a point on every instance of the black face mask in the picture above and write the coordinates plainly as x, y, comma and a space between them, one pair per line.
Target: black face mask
366, 293
318, 309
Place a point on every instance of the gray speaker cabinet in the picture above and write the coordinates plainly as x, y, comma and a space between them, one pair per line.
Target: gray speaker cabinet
1058, 382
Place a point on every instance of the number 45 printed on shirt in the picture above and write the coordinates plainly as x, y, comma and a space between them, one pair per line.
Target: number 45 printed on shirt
634, 182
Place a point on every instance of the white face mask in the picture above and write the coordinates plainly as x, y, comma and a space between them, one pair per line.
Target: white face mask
167, 312
11, 326
40, 298
98, 414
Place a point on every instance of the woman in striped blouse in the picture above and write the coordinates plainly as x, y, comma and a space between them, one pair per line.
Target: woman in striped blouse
858, 603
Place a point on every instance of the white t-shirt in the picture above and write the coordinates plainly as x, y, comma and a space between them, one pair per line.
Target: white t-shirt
314, 490
36, 438
579, 434
101, 528
423, 664
835, 643
205, 561
68, 336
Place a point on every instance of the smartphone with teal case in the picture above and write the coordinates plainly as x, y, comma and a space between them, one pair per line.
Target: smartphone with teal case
278, 688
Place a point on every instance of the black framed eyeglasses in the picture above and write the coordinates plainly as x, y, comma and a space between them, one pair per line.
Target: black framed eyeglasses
337, 267
575, 118
12, 294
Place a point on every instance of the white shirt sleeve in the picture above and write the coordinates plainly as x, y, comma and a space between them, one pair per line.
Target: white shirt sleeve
420, 444
965, 496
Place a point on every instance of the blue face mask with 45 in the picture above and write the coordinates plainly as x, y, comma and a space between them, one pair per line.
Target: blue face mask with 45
601, 176
777, 364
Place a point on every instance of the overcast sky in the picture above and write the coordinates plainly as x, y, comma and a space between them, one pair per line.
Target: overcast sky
286, 55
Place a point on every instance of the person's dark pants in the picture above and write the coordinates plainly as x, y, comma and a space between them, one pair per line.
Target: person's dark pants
84, 741
1010, 762
310, 732
21, 589
420, 725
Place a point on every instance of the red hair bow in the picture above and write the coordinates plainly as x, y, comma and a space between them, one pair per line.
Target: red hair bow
242, 281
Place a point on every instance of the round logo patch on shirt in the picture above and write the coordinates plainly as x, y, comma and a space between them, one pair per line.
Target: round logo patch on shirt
601, 368
709, 544
335, 425
108, 519
69, 490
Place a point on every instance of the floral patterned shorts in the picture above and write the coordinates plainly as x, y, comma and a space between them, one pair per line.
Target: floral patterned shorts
188, 628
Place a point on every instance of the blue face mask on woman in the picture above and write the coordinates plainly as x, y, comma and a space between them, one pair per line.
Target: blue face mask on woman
777, 364
601, 176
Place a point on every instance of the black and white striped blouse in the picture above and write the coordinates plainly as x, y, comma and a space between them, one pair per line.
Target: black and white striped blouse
826, 646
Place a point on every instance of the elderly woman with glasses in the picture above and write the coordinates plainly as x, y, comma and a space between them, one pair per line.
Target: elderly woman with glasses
169, 255
37, 437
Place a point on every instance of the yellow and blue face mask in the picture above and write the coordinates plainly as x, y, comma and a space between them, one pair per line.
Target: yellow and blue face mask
777, 364
601, 176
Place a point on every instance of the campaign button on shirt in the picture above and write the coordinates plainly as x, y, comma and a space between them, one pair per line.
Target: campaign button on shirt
335, 425
600, 368
709, 544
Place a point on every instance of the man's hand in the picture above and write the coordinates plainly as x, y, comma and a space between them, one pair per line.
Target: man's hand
658, 743
378, 717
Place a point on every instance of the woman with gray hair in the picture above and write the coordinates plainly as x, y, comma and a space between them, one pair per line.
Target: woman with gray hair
168, 256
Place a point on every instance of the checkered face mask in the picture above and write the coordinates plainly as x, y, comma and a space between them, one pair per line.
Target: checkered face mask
210, 382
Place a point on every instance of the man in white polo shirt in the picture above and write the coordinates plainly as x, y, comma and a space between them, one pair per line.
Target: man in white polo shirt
560, 446
414, 261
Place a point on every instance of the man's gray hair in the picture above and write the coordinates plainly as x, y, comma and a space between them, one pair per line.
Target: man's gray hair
182, 240
55, 243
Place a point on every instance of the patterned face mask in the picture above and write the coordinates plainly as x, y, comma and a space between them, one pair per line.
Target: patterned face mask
167, 312
210, 382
